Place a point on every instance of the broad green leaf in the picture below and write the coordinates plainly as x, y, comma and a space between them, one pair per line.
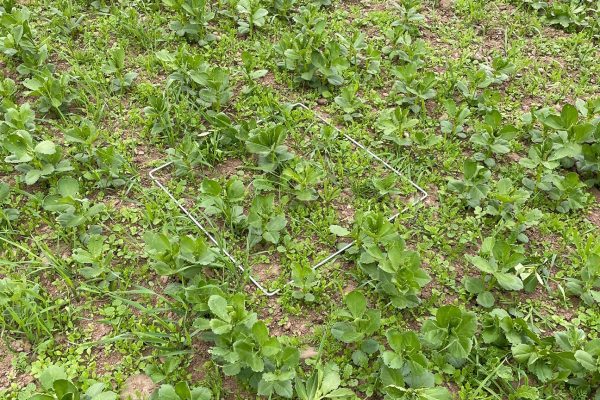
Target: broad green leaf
45, 147
51, 374
586, 360
356, 303
218, 306
485, 299
338, 230
508, 281
68, 187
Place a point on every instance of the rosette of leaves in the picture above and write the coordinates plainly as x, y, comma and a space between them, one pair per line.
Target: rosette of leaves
323, 383
505, 200
493, 138
349, 102
567, 192
208, 85
456, 118
185, 256
589, 358
73, 210
225, 201
404, 47
587, 285
414, 85
252, 15
115, 69
574, 136
181, 391
17, 118
268, 144
102, 164
18, 39
311, 53
244, 347
405, 363
396, 125
501, 265
474, 86
452, 331
95, 259
36, 160
396, 270
194, 15
386, 185
304, 178
374, 229
359, 322
304, 280
264, 221
56, 386
502, 330
544, 361
53, 92
474, 186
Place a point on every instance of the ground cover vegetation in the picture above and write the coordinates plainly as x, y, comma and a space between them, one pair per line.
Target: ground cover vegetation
488, 288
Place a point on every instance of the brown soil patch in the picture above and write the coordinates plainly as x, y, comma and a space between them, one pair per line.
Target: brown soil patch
8, 374
201, 355
107, 361
137, 387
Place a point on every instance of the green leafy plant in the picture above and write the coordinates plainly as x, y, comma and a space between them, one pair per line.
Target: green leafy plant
387, 185
500, 265
115, 68
384, 257
264, 221
567, 192
323, 383
313, 55
493, 138
587, 285
243, 346
181, 391
359, 321
73, 209
474, 187
36, 160
268, 144
415, 86
185, 256
53, 92
18, 40
194, 15
57, 387
304, 280
349, 102
405, 362
303, 177
252, 15
453, 330
7, 214
456, 119
224, 201
544, 361
96, 261
396, 125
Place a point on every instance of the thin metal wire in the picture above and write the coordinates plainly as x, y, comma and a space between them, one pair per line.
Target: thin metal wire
328, 258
